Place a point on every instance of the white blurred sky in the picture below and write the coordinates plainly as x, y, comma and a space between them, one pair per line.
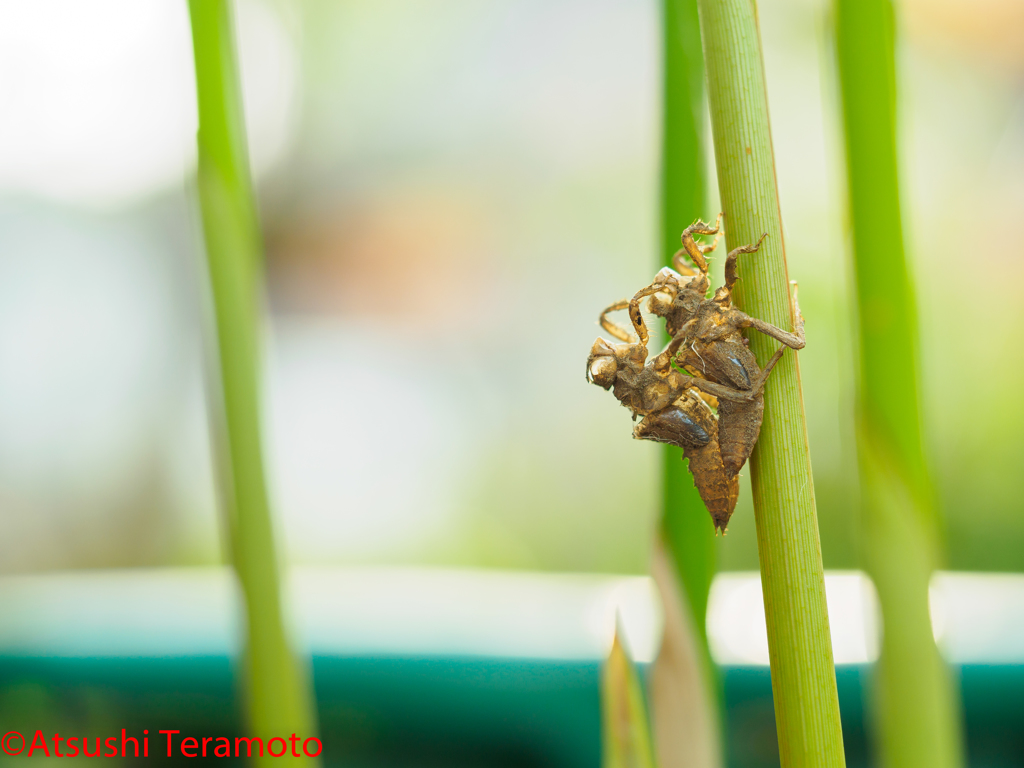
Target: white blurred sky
102, 96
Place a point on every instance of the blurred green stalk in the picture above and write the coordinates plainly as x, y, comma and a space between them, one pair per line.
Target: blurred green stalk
278, 692
686, 528
685, 523
916, 715
792, 577
625, 729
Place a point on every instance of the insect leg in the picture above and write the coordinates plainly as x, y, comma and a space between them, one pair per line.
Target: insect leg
796, 340
734, 255
681, 266
720, 391
690, 247
758, 383
707, 248
634, 307
700, 228
672, 348
615, 329
662, 363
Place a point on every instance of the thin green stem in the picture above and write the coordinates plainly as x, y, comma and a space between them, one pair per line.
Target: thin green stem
278, 692
916, 714
792, 577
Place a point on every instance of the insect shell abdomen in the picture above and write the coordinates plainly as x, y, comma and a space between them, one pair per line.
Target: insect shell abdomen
717, 489
739, 425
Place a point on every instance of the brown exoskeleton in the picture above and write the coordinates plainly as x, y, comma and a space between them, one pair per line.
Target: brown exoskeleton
707, 341
669, 410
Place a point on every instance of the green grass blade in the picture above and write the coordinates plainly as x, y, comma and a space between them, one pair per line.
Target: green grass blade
792, 577
683, 705
278, 693
626, 732
916, 714
685, 526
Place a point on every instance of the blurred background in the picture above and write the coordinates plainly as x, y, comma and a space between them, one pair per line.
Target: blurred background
451, 191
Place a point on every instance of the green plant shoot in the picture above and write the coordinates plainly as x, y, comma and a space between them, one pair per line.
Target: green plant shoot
277, 689
916, 711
